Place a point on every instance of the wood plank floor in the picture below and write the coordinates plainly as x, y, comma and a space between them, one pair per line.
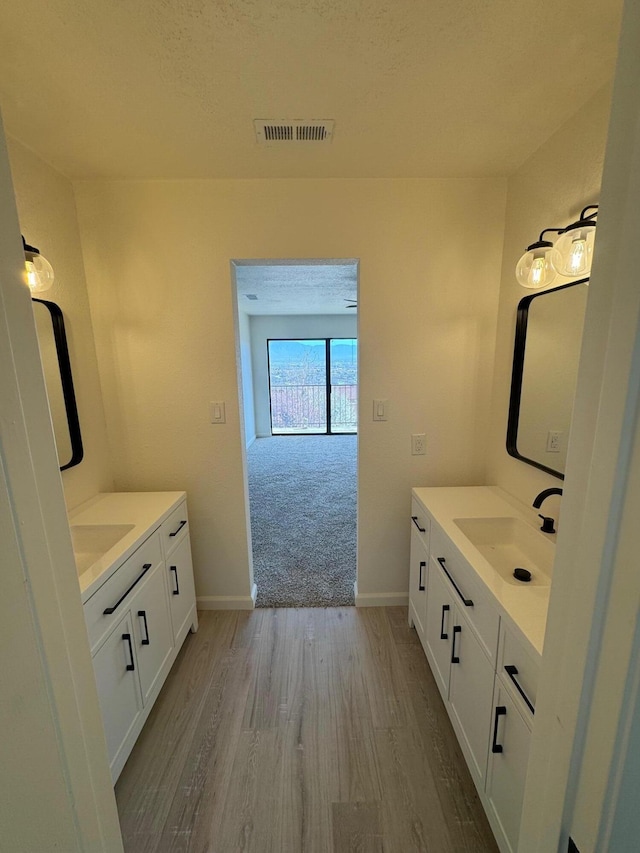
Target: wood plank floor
296, 731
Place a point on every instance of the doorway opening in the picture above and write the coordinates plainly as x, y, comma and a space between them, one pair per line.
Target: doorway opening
298, 375
313, 386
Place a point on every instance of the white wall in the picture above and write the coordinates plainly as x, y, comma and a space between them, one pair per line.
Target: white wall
55, 786
548, 191
165, 340
47, 213
246, 378
263, 328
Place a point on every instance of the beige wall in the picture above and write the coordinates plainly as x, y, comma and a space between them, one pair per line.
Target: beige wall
157, 259
549, 190
47, 212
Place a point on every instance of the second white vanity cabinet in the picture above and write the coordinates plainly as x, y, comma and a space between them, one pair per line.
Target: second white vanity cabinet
118, 690
462, 668
482, 635
419, 560
513, 711
139, 604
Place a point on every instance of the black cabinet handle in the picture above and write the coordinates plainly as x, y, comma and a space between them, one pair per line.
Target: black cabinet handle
457, 629
111, 610
421, 585
501, 711
179, 528
443, 636
512, 672
144, 642
174, 569
130, 666
414, 518
466, 601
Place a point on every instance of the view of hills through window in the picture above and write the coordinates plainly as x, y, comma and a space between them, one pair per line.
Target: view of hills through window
302, 373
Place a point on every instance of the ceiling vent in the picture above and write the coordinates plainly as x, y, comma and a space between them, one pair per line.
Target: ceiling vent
276, 132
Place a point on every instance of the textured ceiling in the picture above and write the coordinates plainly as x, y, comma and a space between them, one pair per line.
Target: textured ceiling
169, 88
313, 287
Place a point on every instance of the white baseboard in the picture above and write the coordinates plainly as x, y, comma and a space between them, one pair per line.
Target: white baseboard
380, 599
227, 602
250, 441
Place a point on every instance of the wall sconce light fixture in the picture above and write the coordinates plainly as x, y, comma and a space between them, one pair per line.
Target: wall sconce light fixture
570, 256
39, 271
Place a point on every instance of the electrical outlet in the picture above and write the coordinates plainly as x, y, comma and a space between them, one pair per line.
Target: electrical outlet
418, 444
554, 440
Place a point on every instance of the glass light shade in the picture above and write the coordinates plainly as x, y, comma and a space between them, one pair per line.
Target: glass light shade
40, 274
535, 268
573, 251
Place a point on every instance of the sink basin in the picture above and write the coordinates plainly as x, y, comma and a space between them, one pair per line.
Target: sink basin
509, 543
92, 541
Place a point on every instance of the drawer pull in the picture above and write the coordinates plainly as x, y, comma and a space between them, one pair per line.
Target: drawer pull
111, 610
501, 711
512, 672
174, 569
421, 585
130, 666
179, 528
466, 601
143, 614
443, 636
414, 518
457, 629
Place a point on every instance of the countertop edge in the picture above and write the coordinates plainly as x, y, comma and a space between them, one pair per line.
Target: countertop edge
534, 638
153, 508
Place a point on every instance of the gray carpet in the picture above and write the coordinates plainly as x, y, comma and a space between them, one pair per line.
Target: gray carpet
302, 490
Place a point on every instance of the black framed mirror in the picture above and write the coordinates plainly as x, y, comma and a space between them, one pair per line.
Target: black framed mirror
54, 354
545, 368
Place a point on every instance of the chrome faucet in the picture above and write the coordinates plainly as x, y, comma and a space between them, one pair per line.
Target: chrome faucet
547, 521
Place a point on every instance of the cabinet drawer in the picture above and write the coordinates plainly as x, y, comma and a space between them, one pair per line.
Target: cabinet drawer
520, 669
174, 528
111, 593
474, 601
508, 760
182, 594
420, 522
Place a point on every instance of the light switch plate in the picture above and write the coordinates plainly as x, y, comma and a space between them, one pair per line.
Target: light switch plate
380, 410
217, 412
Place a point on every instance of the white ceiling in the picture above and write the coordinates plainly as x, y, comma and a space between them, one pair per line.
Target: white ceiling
312, 287
169, 88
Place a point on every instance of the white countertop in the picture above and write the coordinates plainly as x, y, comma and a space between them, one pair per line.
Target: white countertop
144, 510
526, 606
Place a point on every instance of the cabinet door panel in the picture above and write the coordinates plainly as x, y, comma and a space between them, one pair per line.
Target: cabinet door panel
471, 694
418, 581
152, 629
439, 625
182, 595
118, 687
508, 769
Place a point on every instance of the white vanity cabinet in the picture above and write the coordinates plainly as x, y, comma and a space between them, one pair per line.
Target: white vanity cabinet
439, 628
418, 566
507, 770
485, 665
181, 589
460, 664
152, 631
512, 719
139, 605
118, 691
